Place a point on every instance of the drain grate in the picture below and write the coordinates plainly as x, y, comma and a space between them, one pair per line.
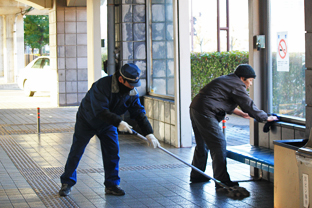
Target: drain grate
45, 188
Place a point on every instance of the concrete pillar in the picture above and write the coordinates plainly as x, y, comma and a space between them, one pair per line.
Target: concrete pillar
254, 61
94, 40
19, 62
182, 73
256, 9
1, 49
8, 48
110, 37
258, 25
54, 93
4, 45
308, 62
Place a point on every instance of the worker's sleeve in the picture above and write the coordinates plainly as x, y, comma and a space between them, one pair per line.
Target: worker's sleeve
135, 107
144, 124
110, 118
137, 112
241, 97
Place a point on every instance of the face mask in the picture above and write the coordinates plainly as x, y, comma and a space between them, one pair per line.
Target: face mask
123, 89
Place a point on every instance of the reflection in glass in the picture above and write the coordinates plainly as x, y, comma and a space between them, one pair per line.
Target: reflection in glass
159, 86
289, 86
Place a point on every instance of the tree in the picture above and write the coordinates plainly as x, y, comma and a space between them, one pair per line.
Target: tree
36, 31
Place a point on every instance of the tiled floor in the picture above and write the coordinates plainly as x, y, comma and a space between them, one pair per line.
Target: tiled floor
31, 163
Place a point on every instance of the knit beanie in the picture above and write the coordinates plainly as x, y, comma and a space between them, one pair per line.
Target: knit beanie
245, 70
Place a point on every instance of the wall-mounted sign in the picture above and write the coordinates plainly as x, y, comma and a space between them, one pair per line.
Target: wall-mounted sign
282, 55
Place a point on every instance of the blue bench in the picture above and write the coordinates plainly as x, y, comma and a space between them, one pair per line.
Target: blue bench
258, 157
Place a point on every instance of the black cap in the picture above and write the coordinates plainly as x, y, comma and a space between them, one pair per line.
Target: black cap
131, 73
245, 70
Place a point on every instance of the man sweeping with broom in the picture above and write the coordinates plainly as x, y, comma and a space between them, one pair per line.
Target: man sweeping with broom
99, 114
222, 95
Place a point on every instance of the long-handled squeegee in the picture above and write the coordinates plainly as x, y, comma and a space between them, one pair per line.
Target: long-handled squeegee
235, 191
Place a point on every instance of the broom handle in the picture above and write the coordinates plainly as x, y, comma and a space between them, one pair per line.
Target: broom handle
192, 166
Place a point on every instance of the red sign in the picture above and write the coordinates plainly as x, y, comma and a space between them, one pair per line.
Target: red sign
282, 48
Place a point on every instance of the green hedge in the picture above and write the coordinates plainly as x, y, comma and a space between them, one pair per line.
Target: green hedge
207, 66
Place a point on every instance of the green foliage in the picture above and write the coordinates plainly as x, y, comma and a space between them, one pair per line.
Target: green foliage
289, 87
36, 31
207, 66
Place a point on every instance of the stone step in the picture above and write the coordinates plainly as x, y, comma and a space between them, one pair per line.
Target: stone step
9, 86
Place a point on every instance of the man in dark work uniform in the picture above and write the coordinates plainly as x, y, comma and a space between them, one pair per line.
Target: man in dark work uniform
99, 114
222, 95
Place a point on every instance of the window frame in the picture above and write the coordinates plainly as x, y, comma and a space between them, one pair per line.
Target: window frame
269, 90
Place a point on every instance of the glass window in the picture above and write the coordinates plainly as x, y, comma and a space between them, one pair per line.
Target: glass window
288, 57
204, 25
239, 31
37, 64
162, 48
46, 63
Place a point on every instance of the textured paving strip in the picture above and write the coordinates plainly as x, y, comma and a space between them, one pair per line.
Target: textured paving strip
32, 128
44, 187
55, 172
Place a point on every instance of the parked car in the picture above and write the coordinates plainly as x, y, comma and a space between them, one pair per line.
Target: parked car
36, 76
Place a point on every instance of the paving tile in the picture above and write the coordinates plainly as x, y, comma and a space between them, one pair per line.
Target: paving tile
150, 177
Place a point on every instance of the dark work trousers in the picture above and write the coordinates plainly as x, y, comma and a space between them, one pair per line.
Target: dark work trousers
108, 137
209, 136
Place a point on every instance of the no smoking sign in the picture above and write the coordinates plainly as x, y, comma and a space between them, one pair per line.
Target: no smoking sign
282, 48
282, 56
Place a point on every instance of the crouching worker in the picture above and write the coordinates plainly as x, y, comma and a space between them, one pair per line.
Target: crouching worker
99, 114
222, 95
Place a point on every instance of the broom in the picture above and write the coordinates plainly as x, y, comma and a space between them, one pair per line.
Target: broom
235, 191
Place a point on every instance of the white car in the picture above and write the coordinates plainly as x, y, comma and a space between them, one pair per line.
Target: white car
36, 76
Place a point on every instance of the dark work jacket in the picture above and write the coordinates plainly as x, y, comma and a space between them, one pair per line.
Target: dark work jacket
222, 95
104, 96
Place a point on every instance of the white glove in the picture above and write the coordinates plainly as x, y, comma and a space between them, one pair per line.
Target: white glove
272, 118
152, 140
124, 127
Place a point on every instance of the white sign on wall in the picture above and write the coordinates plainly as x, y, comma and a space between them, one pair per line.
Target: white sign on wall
305, 181
282, 55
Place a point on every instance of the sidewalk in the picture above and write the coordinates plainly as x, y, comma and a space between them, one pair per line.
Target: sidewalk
31, 164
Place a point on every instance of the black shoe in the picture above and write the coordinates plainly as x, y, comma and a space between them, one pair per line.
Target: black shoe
65, 190
114, 190
228, 183
199, 179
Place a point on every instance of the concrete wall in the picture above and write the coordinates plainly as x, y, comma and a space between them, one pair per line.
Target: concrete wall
68, 46
162, 116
